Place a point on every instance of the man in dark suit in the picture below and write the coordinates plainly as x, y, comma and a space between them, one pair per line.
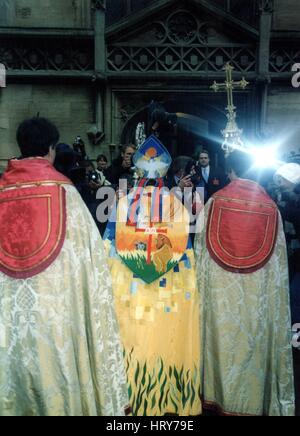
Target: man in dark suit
213, 178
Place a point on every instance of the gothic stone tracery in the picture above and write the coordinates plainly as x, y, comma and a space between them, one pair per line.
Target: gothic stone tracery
180, 43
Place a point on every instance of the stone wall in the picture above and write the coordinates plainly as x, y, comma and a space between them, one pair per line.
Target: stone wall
70, 107
283, 121
77, 13
286, 15
45, 13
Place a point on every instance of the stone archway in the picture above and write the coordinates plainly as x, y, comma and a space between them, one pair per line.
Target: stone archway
199, 126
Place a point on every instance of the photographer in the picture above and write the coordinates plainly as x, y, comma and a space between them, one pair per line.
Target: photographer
92, 176
177, 175
185, 174
79, 148
122, 167
288, 180
101, 169
74, 164
89, 191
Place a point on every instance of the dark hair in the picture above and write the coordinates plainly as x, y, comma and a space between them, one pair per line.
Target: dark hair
35, 137
124, 148
65, 159
192, 163
102, 157
240, 162
88, 163
204, 152
180, 163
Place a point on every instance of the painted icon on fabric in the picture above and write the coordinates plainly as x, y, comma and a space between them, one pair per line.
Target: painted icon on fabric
151, 249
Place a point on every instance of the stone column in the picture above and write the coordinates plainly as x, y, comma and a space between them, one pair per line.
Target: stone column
266, 15
99, 8
7, 12
83, 15
265, 28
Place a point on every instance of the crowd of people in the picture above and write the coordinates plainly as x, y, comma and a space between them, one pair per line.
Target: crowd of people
142, 317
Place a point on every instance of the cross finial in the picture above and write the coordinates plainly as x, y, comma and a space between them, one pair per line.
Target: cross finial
232, 134
230, 85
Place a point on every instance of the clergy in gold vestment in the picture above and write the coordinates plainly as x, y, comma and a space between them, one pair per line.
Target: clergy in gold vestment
60, 351
243, 280
153, 271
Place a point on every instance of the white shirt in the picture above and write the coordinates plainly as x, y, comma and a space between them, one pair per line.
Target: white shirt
205, 173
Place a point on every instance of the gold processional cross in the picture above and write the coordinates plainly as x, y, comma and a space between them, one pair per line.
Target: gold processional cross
232, 134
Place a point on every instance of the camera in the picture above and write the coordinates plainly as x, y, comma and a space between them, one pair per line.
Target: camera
194, 171
79, 147
93, 176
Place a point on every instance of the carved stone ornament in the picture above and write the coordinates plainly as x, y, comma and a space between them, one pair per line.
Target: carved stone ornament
183, 27
99, 5
266, 6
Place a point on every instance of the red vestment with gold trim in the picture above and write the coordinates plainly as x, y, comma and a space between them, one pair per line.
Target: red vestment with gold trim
32, 217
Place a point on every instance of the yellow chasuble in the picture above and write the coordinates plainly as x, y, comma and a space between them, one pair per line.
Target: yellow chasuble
157, 305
